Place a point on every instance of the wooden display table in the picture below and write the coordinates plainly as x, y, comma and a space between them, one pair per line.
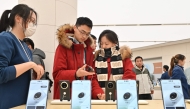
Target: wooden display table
153, 104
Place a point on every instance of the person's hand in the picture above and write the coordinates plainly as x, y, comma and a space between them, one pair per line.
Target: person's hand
101, 96
81, 72
38, 72
152, 91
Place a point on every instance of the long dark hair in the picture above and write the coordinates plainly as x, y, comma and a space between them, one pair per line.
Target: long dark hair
8, 16
110, 35
174, 61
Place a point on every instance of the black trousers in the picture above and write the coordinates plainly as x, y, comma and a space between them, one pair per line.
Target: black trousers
145, 97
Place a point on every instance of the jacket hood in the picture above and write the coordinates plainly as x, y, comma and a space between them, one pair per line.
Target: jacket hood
39, 52
124, 50
66, 31
139, 69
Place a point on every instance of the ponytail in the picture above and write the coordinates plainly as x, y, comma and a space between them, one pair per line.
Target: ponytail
172, 64
174, 61
4, 21
21, 10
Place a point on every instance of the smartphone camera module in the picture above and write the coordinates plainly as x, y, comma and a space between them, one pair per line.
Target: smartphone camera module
173, 96
64, 85
81, 95
110, 85
127, 95
37, 95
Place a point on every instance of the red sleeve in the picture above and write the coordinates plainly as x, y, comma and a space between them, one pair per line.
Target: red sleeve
96, 89
60, 71
127, 67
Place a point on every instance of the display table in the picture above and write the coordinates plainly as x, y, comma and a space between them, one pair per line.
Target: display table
153, 104
157, 93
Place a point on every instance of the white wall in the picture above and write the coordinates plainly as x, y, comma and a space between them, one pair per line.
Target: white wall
7, 4
134, 20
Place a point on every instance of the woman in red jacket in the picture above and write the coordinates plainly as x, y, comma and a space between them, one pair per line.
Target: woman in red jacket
111, 61
72, 55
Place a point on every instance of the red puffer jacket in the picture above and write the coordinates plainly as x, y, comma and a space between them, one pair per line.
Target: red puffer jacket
68, 58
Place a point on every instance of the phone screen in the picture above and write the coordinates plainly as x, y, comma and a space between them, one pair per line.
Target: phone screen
172, 94
127, 94
37, 96
81, 94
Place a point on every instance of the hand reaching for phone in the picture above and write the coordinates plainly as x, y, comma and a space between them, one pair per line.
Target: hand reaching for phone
81, 72
101, 96
38, 72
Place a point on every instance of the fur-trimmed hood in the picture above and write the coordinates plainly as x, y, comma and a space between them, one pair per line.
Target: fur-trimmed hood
63, 33
124, 50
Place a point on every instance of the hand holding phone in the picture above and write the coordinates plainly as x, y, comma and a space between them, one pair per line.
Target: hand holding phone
81, 72
89, 68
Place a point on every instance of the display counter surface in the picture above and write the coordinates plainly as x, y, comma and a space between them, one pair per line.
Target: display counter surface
152, 104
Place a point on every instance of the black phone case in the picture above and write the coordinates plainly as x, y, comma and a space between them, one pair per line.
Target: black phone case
64, 91
89, 68
110, 92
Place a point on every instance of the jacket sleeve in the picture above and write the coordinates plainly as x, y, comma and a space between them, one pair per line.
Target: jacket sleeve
60, 71
150, 80
128, 72
7, 72
96, 89
162, 77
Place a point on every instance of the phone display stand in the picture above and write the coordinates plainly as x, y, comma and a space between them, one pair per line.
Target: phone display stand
64, 90
110, 90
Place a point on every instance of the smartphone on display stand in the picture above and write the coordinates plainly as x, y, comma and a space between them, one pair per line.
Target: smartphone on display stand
172, 94
110, 88
127, 97
81, 94
64, 90
38, 94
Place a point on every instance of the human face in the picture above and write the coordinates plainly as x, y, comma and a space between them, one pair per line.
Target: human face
139, 62
105, 43
164, 69
94, 45
81, 33
32, 20
181, 62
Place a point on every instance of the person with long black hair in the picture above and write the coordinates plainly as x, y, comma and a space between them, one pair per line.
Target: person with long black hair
16, 64
177, 72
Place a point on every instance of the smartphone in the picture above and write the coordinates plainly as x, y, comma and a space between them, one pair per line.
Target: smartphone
127, 94
64, 90
110, 88
172, 94
37, 95
81, 94
89, 68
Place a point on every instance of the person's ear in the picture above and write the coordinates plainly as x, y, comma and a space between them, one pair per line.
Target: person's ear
74, 27
30, 47
18, 19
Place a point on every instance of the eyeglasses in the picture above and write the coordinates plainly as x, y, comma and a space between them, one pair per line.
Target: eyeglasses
84, 33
